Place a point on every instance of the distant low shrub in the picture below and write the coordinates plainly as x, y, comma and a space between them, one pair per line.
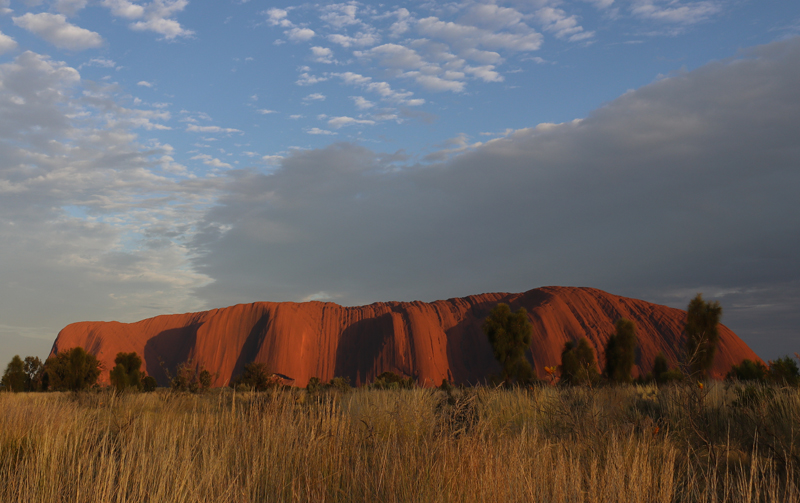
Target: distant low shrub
390, 380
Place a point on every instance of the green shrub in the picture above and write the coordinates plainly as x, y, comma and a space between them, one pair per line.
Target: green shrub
126, 373
578, 364
748, 370
390, 380
256, 377
71, 370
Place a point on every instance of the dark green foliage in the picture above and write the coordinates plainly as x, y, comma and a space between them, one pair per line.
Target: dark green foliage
784, 372
14, 376
149, 384
671, 375
578, 364
126, 372
71, 370
256, 377
205, 379
621, 352
510, 336
702, 335
390, 380
748, 370
660, 366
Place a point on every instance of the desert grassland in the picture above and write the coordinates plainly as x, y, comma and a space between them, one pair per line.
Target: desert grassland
546, 444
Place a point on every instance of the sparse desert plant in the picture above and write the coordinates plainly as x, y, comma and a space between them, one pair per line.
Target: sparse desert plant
784, 372
256, 377
748, 370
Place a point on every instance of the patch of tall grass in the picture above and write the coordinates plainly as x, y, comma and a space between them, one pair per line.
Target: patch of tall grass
670, 444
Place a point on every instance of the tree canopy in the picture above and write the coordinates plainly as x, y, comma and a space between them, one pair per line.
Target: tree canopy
126, 372
72, 370
510, 336
621, 352
578, 363
702, 334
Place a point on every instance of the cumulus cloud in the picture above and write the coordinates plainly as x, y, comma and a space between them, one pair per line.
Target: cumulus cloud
211, 161
6, 43
665, 189
55, 29
144, 83
300, 34
362, 103
314, 97
69, 7
322, 55
563, 26
156, 16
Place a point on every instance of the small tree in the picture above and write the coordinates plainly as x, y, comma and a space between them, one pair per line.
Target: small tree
256, 376
126, 372
71, 370
510, 335
390, 380
189, 377
34, 371
784, 372
748, 370
578, 364
702, 335
660, 366
621, 352
14, 376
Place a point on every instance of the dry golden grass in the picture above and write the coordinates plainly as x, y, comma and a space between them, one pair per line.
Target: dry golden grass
543, 445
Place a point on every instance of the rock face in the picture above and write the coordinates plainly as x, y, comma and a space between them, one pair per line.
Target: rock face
429, 341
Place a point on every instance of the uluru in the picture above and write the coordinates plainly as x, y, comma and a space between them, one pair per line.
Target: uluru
427, 341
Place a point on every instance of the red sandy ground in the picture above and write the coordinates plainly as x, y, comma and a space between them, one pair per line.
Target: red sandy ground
429, 341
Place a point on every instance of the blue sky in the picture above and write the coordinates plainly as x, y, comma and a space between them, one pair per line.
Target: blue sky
179, 155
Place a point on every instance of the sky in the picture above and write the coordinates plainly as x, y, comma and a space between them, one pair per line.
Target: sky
170, 156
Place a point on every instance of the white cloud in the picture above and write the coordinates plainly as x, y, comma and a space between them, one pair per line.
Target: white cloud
264, 111
84, 232
674, 11
296, 116
305, 79
6, 43
193, 128
338, 122
278, 17
464, 36
315, 130
101, 62
55, 29
211, 161
381, 88
124, 8
144, 83
155, 16
314, 97
300, 34
361, 39
340, 15
563, 26
69, 7
362, 103
322, 55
